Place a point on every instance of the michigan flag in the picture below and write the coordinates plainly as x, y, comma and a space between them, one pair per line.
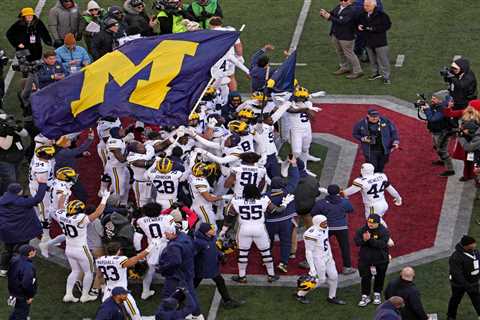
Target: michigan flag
283, 78
156, 80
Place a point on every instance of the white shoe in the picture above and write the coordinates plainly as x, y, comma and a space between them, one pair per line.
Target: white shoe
87, 298
309, 157
43, 245
377, 298
310, 173
3, 273
147, 294
390, 242
364, 301
69, 298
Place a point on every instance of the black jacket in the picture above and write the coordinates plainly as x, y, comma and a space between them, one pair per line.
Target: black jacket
22, 278
102, 43
413, 309
463, 88
462, 268
22, 33
375, 250
138, 21
375, 28
343, 23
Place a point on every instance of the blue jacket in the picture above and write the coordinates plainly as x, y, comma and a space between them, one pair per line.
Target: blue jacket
64, 56
335, 208
207, 256
66, 157
388, 132
257, 73
110, 310
436, 120
180, 314
177, 259
18, 220
47, 72
276, 196
22, 277
386, 311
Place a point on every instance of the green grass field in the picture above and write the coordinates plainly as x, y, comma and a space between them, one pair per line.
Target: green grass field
428, 33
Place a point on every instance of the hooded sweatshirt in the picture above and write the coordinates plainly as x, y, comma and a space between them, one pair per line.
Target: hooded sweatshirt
138, 21
464, 267
463, 88
335, 208
62, 21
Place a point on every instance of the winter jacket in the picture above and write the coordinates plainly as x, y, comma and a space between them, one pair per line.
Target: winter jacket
177, 259
413, 309
207, 256
85, 20
66, 157
64, 56
307, 191
110, 310
335, 208
47, 72
203, 14
388, 132
375, 250
472, 144
170, 21
276, 196
178, 314
18, 219
463, 87
102, 43
137, 20
375, 28
122, 25
22, 277
22, 33
343, 23
387, 311
437, 122
62, 21
464, 268
257, 73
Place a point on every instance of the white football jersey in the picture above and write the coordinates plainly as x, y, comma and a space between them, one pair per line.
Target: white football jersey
58, 189
103, 128
166, 184
74, 227
267, 139
117, 144
251, 211
139, 172
299, 121
113, 272
151, 227
320, 238
373, 188
247, 174
197, 186
225, 67
40, 168
246, 143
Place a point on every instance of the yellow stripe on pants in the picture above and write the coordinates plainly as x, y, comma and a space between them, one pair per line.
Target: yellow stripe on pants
205, 214
117, 181
89, 257
130, 306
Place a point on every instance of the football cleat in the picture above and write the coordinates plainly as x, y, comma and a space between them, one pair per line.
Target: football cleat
335, 300
377, 298
147, 294
69, 298
239, 279
87, 298
302, 299
282, 267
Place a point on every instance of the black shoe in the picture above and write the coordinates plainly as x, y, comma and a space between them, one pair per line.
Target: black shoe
273, 278
304, 265
232, 304
374, 76
387, 81
302, 299
78, 285
463, 179
447, 173
239, 279
335, 300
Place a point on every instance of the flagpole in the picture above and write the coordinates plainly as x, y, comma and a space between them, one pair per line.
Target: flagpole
264, 98
210, 82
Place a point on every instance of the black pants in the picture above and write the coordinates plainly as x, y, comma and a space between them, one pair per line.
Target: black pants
366, 275
8, 250
21, 310
342, 239
220, 283
378, 158
457, 295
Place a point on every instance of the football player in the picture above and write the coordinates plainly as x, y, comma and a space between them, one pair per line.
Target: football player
103, 130
140, 158
246, 137
320, 260
250, 209
73, 222
248, 172
113, 267
116, 166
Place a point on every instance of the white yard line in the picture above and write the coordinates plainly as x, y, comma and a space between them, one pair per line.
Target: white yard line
400, 60
280, 63
212, 313
297, 34
11, 73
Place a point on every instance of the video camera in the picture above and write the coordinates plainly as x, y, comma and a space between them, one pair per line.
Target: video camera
8, 121
23, 65
447, 73
422, 101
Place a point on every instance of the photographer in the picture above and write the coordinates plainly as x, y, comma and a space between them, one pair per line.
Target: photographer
28, 33
169, 309
50, 70
440, 128
469, 139
462, 83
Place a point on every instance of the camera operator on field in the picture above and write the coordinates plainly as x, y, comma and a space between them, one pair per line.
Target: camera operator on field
50, 70
440, 127
462, 83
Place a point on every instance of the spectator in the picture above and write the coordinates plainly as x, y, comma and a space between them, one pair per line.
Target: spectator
469, 140
169, 308
280, 223
375, 24
202, 11
137, 18
404, 287
336, 208
373, 258
71, 56
390, 309
50, 70
22, 282
378, 136
63, 18
342, 33
462, 83
259, 67
464, 275
441, 130
360, 50
18, 220
104, 41
11, 153
28, 33
170, 17
90, 23
229, 109
207, 263
112, 308
115, 12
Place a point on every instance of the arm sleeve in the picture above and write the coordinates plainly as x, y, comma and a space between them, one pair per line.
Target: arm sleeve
358, 239
394, 132
207, 143
347, 206
293, 179
381, 242
280, 111
221, 160
470, 146
393, 192
239, 64
351, 190
137, 241
44, 34
309, 250
346, 18
30, 202
188, 308
415, 303
357, 132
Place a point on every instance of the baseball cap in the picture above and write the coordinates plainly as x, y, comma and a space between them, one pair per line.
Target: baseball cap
374, 218
119, 290
373, 112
